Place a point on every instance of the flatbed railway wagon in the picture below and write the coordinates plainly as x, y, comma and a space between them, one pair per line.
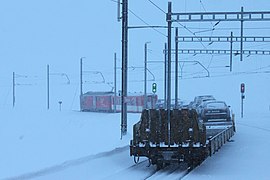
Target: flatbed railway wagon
182, 138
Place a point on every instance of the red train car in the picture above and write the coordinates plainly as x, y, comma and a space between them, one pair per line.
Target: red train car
105, 101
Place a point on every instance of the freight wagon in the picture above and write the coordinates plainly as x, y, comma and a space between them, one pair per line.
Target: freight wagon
182, 138
106, 102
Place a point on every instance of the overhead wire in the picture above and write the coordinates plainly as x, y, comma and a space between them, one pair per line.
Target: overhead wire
226, 75
160, 9
188, 28
212, 30
212, 57
146, 23
258, 45
205, 10
138, 17
157, 6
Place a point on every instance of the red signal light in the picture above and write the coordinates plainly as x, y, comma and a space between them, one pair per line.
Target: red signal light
242, 88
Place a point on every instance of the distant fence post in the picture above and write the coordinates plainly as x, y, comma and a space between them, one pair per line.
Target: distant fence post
13, 89
48, 87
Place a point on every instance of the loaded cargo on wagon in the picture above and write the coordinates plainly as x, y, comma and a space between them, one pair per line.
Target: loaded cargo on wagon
177, 136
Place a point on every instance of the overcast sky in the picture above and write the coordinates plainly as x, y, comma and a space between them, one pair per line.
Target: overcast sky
36, 33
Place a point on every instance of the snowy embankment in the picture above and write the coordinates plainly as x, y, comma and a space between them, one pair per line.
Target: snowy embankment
31, 141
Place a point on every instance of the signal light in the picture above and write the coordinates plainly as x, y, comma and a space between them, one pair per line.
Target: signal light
154, 87
242, 88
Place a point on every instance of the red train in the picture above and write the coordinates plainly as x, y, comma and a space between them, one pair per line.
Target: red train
105, 101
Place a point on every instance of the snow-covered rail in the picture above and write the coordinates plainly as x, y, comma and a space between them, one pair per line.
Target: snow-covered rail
170, 172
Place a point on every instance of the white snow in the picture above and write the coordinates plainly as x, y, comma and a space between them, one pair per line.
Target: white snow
41, 144
76, 145
246, 157
31, 141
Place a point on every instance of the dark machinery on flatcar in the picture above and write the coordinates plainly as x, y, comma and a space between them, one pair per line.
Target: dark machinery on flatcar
182, 138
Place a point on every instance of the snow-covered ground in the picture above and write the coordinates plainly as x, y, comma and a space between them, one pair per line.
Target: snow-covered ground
76, 145
37, 143
31, 141
246, 157
41, 144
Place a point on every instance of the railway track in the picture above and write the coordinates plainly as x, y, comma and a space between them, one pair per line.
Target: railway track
105, 165
142, 171
170, 172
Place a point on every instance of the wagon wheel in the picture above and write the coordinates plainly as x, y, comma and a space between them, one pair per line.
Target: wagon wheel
136, 159
160, 165
149, 162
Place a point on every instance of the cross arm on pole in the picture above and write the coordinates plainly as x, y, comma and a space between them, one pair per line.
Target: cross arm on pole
221, 16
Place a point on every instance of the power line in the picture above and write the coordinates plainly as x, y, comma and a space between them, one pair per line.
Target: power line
226, 75
205, 10
258, 46
160, 9
265, 67
146, 23
191, 33
243, 73
157, 6
212, 57
212, 30
206, 30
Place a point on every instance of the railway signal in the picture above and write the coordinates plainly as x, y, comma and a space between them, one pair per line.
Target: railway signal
154, 87
242, 90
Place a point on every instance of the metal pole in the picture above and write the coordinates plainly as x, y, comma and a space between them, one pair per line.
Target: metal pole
124, 67
60, 105
169, 56
48, 87
118, 11
145, 75
126, 63
231, 51
165, 76
242, 105
81, 80
242, 32
114, 102
169, 18
13, 87
176, 69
